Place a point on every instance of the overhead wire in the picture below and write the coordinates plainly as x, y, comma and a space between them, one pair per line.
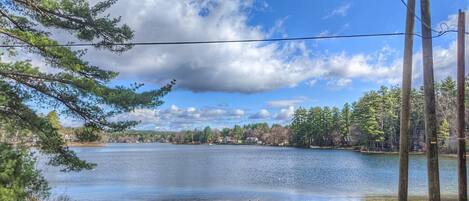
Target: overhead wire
215, 41
442, 25
440, 33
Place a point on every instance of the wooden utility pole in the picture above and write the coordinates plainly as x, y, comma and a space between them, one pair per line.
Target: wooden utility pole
462, 172
430, 114
405, 104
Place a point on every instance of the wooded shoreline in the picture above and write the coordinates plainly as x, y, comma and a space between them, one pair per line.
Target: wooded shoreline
355, 149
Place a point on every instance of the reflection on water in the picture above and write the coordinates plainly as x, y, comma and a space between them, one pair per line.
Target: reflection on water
224, 172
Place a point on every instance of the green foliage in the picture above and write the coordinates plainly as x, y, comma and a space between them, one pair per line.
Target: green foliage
299, 126
448, 86
237, 132
225, 132
320, 126
19, 179
88, 134
257, 133
53, 119
372, 122
443, 134
133, 136
345, 123
207, 135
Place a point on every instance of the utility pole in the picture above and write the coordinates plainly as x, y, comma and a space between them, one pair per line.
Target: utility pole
430, 114
462, 172
405, 104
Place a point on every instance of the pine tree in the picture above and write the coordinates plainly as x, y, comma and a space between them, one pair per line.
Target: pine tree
53, 119
237, 132
299, 127
80, 89
207, 135
443, 134
345, 123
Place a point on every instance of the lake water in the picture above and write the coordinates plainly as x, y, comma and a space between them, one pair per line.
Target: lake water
226, 172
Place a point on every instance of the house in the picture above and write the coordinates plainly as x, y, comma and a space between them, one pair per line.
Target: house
251, 140
228, 140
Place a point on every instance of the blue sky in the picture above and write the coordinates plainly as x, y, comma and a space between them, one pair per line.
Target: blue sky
226, 84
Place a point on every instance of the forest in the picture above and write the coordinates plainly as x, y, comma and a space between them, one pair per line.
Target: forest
372, 122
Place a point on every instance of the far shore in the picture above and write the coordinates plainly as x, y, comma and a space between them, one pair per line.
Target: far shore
410, 198
384, 152
86, 144
356, 149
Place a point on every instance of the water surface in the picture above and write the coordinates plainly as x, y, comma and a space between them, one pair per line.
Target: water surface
230, 172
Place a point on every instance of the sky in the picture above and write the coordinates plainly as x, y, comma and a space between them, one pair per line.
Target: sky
220, 85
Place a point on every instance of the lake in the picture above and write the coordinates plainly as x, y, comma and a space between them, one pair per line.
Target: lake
236, 172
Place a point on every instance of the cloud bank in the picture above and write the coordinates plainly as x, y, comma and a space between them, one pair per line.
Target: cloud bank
240, 67
176, 118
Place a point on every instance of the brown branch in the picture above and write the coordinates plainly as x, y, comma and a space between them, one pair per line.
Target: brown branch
11, 20
43, 10
46, 78
40, 48
67, 104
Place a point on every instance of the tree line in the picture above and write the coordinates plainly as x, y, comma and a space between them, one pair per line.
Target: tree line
372, 122
258, 133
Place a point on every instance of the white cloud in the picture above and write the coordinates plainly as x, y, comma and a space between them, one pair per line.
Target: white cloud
311, 82
240, 67
339, 11
262, 114
215, 112
246, 67
238, 113
286, 102
143, 115
175, 118
191, 109
174, 108
339, 84
324, 33
285, 113
243, 67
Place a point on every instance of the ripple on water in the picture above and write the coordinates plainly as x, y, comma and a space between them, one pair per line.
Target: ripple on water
225, 172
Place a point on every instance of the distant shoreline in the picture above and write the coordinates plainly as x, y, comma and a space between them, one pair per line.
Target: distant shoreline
410, 198
384, 152
86, 144
355, 149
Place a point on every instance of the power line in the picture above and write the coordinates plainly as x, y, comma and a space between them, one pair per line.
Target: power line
441, 32
216, 41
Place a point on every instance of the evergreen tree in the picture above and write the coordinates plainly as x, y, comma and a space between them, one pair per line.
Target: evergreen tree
345, 122
443, 134
299, 127
77, 88
336, 138
237, 132
19, 179
81, 89
53, 119
207, 135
